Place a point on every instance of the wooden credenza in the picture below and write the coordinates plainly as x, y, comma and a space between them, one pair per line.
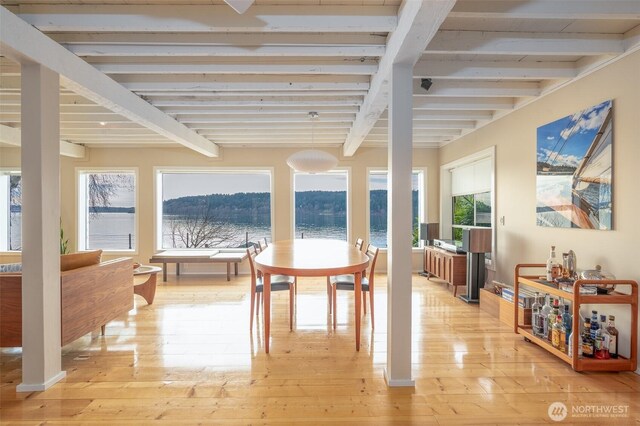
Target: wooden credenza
450, 267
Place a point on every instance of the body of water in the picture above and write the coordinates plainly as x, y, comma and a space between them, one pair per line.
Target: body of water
110, 231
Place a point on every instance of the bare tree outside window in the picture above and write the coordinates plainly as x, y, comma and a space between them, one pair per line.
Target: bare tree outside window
103, 187
201, 229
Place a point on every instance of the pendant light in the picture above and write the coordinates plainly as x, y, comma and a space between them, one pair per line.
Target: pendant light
312, 160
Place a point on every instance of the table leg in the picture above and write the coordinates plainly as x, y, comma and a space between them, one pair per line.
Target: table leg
164, 272
266, 310
228, 271
358, 301
147, 289
235, 268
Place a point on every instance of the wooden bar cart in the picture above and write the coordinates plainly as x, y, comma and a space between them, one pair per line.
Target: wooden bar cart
577, 299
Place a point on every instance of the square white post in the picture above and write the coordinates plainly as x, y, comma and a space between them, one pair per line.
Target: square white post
399, 226
41, 354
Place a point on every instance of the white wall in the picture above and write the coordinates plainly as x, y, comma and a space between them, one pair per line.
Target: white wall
519, 240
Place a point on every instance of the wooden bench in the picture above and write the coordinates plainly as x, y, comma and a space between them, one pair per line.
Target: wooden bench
199, 256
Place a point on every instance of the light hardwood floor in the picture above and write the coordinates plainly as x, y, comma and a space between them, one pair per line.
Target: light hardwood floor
190, 358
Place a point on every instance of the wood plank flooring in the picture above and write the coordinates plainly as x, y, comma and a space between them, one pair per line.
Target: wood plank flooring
189, 359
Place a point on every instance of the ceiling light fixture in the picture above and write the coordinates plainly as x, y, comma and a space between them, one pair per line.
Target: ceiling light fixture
312, 160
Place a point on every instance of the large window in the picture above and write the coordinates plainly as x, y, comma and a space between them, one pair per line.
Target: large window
107, 210
321, 205
202, 209
10, 211
471, 210
378, 207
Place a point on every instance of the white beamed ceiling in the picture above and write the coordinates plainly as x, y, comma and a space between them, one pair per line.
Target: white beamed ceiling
250, 80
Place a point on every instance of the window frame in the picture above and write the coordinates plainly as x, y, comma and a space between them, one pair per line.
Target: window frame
335, 171
81, 208
157, 193
5, 216
422, 203
446, 197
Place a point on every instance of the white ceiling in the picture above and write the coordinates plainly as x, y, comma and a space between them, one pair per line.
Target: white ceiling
250, 80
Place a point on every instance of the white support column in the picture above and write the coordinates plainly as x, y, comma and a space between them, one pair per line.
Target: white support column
41, 359
398, 370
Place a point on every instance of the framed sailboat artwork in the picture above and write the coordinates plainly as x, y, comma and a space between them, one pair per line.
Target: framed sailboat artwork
575, 170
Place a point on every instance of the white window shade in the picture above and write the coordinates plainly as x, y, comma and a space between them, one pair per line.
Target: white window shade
471, 178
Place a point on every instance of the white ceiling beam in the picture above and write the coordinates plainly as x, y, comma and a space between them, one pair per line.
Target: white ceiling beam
487, 70
425, 115
125, 143
207, 18
265, 101
490, 89
418, 22
381, 131
258, 94
23, 43
115, 50
331, 67
290, 132
555, 9
269, 126
482, 104
11, 136
148, 85
339, 118
437, 124
263, 111
221, 39
521, 44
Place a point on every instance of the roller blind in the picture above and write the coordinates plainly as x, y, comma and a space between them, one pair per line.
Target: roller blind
471, 178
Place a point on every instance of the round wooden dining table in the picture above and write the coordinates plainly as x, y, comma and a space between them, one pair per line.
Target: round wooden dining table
310, 258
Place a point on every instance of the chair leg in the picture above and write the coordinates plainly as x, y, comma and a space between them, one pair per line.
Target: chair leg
259, 300
364, 302
253, 303
291, 297
329, 294
103, 328
371, 307
295, 284
455, 290
333, 301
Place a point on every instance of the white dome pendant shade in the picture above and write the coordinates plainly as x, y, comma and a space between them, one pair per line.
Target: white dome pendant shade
312, 161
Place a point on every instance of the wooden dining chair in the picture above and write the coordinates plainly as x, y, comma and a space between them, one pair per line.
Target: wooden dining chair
278, 283
359, 245
347, 282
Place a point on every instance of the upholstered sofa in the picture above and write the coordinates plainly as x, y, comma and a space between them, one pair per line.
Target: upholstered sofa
90, 297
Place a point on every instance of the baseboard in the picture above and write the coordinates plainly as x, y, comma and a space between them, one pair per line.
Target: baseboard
39, 387
398, 383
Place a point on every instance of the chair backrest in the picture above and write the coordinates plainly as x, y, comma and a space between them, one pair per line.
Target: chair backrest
359, 243
372, 252
251, 254
262, 242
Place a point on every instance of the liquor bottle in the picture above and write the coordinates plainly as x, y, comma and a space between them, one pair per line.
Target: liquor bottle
553, 316
567, 321
587, 343
563, 334
558, 334
570, 346
546, 310
536, 316
613, 337
553, 266
594, 325
606, 338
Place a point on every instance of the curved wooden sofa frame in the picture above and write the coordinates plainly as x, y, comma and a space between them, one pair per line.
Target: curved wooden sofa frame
90, 297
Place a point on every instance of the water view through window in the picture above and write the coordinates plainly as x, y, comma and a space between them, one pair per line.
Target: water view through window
215, 209
378, 207
321, 205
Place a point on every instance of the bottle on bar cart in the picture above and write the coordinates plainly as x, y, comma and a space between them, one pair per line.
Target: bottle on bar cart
613, 337
602, 346
546, 310
567, 322
587, 343
594, 325
553, 265
553, 316
536, 317
558, 334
